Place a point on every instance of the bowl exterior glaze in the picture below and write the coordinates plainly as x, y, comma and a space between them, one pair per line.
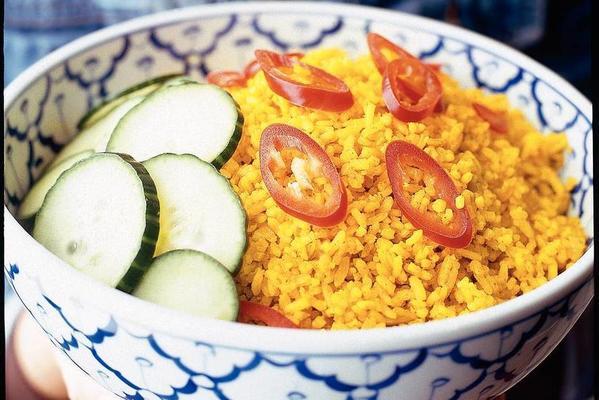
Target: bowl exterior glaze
138, 350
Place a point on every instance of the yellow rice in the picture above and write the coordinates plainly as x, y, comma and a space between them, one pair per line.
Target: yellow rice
375, 269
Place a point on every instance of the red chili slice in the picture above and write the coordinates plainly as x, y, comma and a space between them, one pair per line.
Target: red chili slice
411, 91
279, 136
324, 92
251, 69
440, 107
400, 154
434, 66
377, 43
497, 120
253, 66
255, 312
226, 79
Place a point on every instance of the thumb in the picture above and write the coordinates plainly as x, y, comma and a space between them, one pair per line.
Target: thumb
79, 385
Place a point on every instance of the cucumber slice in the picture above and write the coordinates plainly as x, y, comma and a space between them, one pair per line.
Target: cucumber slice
195, 118
101, 217
198, 209
96, 137
35, 197
142, 89
192, 282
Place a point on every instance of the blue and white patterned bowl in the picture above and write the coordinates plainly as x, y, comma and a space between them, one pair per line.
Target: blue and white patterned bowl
139, 350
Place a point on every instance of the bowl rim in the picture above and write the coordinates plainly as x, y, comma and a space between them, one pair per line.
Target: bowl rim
303, 341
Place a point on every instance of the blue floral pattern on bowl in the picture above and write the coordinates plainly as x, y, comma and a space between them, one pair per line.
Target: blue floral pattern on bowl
203, 370
158, 365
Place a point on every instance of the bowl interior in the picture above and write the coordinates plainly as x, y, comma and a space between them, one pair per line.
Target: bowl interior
49, 100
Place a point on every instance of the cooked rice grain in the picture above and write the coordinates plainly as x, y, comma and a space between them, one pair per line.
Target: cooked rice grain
375, 269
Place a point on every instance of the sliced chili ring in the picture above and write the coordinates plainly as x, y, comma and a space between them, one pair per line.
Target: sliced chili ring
278, 136
324, 92
251, 69
398, 156
497, 120
225, 79
440, 107
253, 66
402, 97
436, 67
256, 312
376, 45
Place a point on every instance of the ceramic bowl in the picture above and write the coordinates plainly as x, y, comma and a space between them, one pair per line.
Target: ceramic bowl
139, 350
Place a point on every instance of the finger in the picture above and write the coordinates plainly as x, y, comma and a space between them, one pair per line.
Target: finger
34, 372
79, 385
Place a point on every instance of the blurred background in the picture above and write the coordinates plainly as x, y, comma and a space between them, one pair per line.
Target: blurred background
555, 33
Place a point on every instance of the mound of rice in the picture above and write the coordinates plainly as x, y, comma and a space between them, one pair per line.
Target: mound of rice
376, 269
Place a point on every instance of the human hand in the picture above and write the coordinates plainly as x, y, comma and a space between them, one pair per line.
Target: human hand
36, 370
